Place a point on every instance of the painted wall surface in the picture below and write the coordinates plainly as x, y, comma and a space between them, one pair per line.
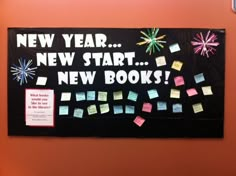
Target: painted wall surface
25, 156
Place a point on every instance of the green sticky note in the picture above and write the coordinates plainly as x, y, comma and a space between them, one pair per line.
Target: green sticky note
78, 112
132, 96
118, 95
102, 96
63, 110
129, 109
92, 109
104, 108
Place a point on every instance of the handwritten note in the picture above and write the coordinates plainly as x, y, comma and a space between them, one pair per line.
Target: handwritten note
139, 121
179, 80
118, 95
197, 108
132, 96
80, 96
177, 65
129, 109
92, 109
41, 81
78, 112
174, 48
191, 92
160, 61
199, 78
152, 93
174, 93
206, 90
65, 96
118, 109
102, 96
91, 95
104, 108
147, 107
161, 106
177, 108
63, 110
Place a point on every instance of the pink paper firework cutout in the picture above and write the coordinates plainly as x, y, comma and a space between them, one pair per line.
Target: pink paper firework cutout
205, 46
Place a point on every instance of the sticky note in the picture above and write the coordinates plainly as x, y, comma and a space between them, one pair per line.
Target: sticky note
65, 96
191, 92
132, 96
197, 108
160, 61
177, 108
63, 110
104, 108
92, 109
174, 93
118, 95
118, 109
177, 65
174, 48
129, 109
161, 106
206, 90
91, 95
152, 93
179, 80
80, 96
139, 121
41, 81
147, 107
199, 78
78, 112
102, 96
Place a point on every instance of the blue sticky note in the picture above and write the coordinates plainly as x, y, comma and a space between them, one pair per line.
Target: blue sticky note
177, 108
129, 109
80, 96
63, 110
152, 93
199, 78
132, 96
91, 95
118, 109
161, 106
78, 112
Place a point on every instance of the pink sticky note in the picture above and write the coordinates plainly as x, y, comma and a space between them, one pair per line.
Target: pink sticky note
179, 80
191, 92
139, 121
147, 107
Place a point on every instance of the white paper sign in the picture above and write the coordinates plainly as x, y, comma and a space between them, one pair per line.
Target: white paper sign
39, 107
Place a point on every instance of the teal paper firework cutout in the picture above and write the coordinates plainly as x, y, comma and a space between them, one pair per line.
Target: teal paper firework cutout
154, 43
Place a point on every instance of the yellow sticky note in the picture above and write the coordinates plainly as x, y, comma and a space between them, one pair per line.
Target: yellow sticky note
160, 61
197, 108
104, 108
207, 90
174, 93
118, 95
177, 65
102, 96
92, 109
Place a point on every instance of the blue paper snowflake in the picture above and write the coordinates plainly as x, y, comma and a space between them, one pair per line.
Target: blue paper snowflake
23, 71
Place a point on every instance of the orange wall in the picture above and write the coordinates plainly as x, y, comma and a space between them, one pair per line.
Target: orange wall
40, 156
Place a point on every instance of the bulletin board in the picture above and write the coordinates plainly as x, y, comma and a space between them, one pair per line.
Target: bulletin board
116, 82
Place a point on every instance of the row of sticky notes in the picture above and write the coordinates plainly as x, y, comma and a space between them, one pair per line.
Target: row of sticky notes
101, 96
128, 109
92, 109
176, 65
179, 80
206, 90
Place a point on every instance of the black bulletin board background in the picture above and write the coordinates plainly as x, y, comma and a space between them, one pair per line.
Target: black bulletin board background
209, 123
